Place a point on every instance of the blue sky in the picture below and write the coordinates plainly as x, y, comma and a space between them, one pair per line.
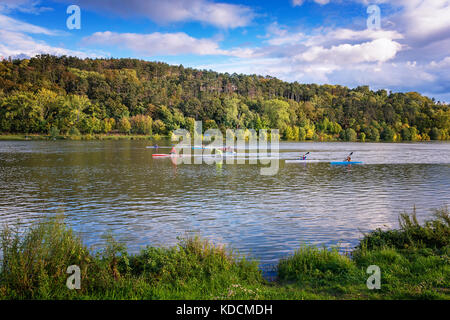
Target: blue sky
309, 41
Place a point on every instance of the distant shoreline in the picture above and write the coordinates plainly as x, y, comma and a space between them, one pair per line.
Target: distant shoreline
88, 137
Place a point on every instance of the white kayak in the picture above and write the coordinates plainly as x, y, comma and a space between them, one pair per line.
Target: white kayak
302, 161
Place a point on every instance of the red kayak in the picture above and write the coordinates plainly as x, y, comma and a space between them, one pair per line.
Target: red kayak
164, 155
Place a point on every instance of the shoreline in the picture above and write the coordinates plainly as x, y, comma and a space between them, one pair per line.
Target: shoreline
413, 261
90, 137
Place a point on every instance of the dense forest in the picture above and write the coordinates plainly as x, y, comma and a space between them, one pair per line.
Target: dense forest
72, 96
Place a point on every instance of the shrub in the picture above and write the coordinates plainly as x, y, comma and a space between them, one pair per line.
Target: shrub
159, 127
313, 264
434, 233
74, 132
35, 267
53, 132
108, 124
124, 125
141, 124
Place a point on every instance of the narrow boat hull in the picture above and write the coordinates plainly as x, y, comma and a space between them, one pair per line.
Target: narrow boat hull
302, 161
343, 163
161, 155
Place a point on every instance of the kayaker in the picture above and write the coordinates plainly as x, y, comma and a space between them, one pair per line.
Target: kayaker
348, 159
173, 151
303, 157
156, 146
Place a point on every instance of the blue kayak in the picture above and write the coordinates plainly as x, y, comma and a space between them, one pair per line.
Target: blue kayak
345, 162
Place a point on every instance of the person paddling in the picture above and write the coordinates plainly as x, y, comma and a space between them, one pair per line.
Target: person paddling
349, 158
173, 151
303, 157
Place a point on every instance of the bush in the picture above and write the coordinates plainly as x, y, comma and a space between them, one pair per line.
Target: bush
141, 124
35, 267
350, 135
388, 134
108, 124
53, 132
435, 134
74, 132
434, 234
124, 125
313, 264
159, 127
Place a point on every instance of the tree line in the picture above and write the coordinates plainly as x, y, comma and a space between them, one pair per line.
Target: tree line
72, 96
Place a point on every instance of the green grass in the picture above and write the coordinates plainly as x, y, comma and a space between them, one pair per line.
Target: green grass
414, 262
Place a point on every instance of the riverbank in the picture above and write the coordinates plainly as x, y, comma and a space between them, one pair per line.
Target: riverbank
414, 262
155, 137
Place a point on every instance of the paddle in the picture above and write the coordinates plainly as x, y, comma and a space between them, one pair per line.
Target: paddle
305, 155
349, 155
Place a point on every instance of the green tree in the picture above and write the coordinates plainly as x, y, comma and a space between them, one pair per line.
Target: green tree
159, 127
141, 124
124, 125
406, 134
350, 135
277, 113
387, 134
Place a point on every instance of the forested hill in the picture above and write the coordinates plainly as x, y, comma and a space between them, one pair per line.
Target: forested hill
72, 96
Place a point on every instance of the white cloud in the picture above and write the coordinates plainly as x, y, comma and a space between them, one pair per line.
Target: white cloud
15, 40
221, 15
380, 50
425, 20
297, 3
157, 43
26, 6
322, 2
16, 44
10, 24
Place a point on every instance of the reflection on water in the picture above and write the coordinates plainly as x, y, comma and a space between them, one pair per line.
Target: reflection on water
117, 186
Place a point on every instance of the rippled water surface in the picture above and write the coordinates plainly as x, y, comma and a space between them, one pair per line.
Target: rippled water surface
116, 186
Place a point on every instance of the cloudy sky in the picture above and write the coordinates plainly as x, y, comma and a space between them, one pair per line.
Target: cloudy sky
309, 41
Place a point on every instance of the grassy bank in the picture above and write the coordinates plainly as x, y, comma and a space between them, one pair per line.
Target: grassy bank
414, 262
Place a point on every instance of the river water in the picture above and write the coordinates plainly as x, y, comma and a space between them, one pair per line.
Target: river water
116, 186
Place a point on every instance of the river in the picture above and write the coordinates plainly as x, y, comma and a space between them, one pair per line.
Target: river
116, 186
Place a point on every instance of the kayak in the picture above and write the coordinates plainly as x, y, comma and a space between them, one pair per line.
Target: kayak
301, 161
337, 163
164, 155
159, 147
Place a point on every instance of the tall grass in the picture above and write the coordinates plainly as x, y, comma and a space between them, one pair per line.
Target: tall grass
414, 262
433, 234
34, 267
